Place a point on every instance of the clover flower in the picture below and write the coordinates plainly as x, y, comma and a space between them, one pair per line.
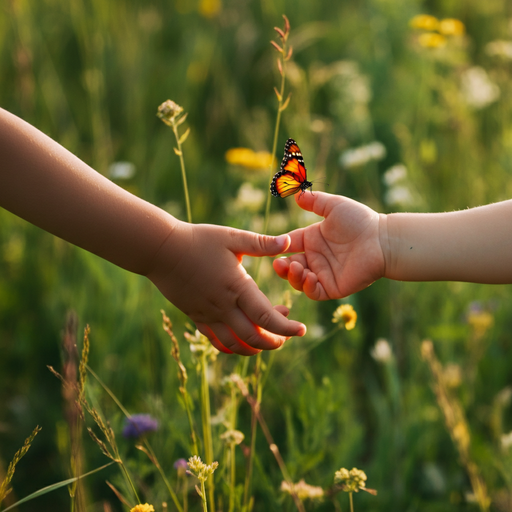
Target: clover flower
302, 490
345, 314
143, 508
138, 425
351, 481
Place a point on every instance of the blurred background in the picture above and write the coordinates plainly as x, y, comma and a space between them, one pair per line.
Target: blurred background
401, 115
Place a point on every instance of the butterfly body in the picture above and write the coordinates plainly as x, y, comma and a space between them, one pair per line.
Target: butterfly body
292, 177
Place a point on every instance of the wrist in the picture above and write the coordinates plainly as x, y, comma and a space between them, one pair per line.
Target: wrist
389, 242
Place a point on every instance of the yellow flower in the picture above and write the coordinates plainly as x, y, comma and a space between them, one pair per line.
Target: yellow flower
480, 321
143, 508
431, 40
424, 22
210, 8
451, 27
248, 158
346, 314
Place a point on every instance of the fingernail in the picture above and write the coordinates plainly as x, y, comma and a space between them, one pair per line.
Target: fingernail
282, 240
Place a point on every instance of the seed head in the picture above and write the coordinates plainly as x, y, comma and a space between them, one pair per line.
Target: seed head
351, 481
168, 111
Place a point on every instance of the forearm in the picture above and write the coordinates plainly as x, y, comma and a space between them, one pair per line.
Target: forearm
48, 186
472, 245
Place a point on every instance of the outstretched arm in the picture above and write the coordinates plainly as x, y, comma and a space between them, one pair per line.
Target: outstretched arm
354, 246
473, 245
197, 267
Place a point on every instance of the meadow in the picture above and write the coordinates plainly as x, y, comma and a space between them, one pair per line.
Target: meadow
403, 113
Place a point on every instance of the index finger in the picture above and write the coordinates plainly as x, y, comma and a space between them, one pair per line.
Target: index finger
259, 310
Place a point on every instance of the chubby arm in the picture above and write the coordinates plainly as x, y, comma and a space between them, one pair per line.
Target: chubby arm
353, 246
473, 245
197, 267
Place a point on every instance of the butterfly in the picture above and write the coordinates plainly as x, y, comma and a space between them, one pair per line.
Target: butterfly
292, 176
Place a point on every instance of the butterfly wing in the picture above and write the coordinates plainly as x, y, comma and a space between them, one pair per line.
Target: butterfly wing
285, 183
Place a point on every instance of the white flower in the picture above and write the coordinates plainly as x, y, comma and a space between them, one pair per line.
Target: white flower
395, 174
121, 171
477, 88
249, 198
362, 155
381, 352
399, 195
499, 48
506, 441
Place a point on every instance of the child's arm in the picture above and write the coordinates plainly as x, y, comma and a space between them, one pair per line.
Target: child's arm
354, 246
197, 267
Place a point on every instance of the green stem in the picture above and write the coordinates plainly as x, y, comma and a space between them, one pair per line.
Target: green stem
127, 476
274, 144
183, 173
203, 495
254, 428
162, 474
232, 451
186, 398
351, 502
207, 426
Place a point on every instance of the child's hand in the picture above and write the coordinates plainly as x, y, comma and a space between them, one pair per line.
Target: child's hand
199, 270
338, 256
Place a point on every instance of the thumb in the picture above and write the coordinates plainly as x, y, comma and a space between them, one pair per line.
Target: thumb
254, 244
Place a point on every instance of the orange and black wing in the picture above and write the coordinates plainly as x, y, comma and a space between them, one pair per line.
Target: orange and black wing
292, 177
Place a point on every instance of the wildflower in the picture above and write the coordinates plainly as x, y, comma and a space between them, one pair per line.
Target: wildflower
168, 111
180, 466
479, 319
451, 27
232, 437
201, 470
506, 441
199, 343
248, 158
382, 352
431, 40
424, 22
362, 155
138, 425
477, 88
143, 508
351, 481
121, 170
399, 195
452, 375
395, 174
249, 198
499, 48
209, 8
302, 490
345, 314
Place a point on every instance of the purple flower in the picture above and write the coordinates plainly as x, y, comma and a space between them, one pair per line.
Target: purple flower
180, 464
138, 425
